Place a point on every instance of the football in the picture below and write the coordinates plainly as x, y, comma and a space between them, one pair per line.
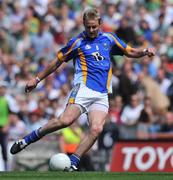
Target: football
59, 162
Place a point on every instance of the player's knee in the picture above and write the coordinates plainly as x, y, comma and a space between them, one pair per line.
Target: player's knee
96, 130
66, 121
54, 121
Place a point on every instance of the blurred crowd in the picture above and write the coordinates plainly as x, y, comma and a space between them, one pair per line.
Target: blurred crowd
32, 31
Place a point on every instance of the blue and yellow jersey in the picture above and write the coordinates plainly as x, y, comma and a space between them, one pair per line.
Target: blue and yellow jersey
92, 59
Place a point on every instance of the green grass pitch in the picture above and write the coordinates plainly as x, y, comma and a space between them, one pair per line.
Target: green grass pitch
36, 175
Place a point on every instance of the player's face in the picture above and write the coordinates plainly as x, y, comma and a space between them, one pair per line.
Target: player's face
92, 27
2, 91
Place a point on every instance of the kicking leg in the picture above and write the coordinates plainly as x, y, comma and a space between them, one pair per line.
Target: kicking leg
71, 113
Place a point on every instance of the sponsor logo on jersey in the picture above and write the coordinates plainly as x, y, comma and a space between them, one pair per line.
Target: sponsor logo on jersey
105, 46
87, 47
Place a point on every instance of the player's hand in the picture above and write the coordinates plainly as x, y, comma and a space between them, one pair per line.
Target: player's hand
150, 52
31, 85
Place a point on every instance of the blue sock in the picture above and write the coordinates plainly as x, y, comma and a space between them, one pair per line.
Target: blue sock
74, 160
32, 137
5, 166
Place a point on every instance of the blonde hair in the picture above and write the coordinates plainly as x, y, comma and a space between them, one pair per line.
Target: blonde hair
91, 13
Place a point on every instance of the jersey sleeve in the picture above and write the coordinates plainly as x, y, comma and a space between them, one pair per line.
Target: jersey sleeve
69, 51
119, 47
116, 51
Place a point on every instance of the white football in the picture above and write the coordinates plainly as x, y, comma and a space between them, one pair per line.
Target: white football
59, 162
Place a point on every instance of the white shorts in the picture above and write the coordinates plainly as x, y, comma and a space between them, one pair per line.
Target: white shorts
88, 99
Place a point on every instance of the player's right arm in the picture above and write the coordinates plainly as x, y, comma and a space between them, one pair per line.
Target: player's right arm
65, 54
31, 84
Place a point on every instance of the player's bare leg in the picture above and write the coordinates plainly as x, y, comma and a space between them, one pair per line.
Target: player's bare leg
97, 120
71, 113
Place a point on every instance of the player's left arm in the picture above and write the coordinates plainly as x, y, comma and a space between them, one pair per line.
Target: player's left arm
137, 53
128, 50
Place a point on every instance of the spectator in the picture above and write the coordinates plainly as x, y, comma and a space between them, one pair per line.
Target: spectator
67, 22
163, 82
116, 105
4, 18
162, 28
145, 120
167, 65
42, 43
24, 43
127, 82
16, 18
111, 20
130, 113
4, 123
167, 126
124, 30
17, 128
32, 21
148, 65
129, 117
144, 27
7, 42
